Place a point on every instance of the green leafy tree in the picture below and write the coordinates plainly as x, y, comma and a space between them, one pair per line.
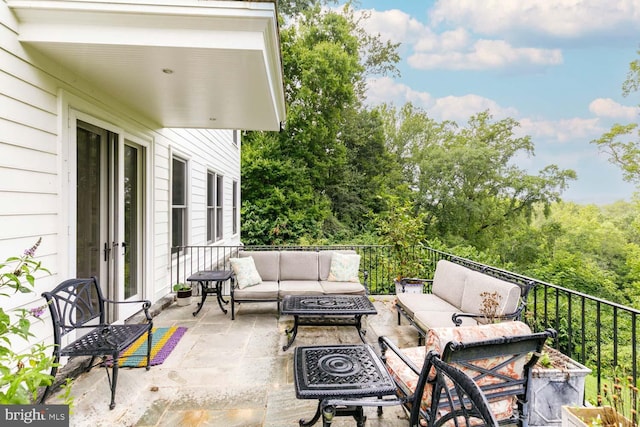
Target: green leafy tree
622, 142
279, 204
326, 56
464, 177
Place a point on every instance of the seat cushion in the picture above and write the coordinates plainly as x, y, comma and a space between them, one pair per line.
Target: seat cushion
300, 287
427, 320
263, 291
412, 303
348, 288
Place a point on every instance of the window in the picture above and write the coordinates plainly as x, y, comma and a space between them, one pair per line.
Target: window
178, 202
219, 188
234, 208
214, 207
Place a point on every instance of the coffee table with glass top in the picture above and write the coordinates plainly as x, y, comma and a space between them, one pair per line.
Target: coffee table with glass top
326, 310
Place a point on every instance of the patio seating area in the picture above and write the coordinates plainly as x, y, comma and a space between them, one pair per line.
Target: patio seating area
227, 373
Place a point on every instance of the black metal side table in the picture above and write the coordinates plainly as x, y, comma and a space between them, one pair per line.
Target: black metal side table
340, 372
211, 283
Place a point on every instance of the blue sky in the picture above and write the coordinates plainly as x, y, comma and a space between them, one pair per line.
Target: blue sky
556, 66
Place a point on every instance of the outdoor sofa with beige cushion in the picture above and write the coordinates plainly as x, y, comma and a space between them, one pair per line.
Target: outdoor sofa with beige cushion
456, 298
289, 272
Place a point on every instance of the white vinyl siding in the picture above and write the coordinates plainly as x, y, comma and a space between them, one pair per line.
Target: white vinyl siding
36, 97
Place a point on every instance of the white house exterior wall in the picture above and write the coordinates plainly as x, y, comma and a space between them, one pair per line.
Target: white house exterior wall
37, 100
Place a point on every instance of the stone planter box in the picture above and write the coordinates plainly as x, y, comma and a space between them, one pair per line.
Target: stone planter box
554, 387
408, 288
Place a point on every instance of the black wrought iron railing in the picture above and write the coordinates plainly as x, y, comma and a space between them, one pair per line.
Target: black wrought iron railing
597, 333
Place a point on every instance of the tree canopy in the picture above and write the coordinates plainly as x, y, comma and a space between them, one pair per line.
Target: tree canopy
622, 142
342, 171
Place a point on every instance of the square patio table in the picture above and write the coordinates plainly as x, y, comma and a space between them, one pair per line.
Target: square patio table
205, 278
336, 372
326, 310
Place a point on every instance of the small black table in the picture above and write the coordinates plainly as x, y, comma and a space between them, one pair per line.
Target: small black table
326, 310
205, 278
340, 372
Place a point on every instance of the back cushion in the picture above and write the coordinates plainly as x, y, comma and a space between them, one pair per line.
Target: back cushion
449, 282
478, 283
267, 263
437, 338
324, 262
298, 265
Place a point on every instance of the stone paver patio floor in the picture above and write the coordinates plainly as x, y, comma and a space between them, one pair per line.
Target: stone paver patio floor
226, 373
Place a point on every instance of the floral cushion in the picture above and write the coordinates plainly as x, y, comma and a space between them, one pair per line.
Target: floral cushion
437, 338
245, 272
344, 267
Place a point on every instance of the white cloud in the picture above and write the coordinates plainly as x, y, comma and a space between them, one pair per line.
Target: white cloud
460, 108
386, 90
557, 18
485, 54
561, 130
454, 49
607, 107
396, 26
457, 108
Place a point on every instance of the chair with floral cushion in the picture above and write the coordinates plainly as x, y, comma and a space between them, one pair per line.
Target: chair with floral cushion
497, 357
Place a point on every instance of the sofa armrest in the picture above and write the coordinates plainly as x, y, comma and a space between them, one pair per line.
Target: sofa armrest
386, 344
457, 317
365, 280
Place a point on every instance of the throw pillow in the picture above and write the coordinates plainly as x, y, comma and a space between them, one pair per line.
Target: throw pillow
245, 271
344, 267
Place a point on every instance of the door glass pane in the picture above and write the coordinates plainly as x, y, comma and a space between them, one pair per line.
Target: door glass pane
131, 215
88, 251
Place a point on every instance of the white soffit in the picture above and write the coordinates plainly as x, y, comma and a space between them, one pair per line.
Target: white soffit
190, 63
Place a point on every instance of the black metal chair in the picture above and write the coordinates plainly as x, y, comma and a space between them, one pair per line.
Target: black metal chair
456, 400
484, 362
78, 305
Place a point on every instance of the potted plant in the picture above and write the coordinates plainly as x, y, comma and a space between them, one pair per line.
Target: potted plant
556, 381
183, 293
402, 228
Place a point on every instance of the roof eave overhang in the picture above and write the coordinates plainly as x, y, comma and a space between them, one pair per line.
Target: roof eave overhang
189, 63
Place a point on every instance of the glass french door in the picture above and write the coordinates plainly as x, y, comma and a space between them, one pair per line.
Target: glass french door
109, 211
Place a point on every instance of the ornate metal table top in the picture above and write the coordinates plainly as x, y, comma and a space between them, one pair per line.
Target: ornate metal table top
340, 371
327, 305
210, 276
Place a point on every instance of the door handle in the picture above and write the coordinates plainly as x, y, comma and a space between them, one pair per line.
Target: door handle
106, 251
